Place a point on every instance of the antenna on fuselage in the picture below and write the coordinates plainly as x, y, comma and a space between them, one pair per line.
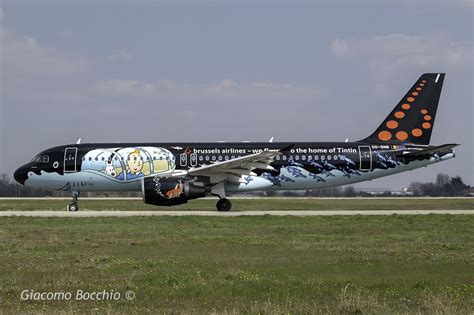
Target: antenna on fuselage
271, 140
79, 141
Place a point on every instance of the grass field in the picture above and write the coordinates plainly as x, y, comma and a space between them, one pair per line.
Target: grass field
249, 204
348, 265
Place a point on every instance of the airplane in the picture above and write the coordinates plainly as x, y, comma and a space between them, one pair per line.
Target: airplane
170, 174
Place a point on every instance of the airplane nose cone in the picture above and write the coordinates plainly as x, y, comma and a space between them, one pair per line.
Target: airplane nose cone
20, 175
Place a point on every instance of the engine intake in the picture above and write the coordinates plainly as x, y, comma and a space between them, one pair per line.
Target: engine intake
164, 191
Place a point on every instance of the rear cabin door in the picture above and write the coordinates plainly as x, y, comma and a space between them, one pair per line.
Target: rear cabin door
365, 156
70, 157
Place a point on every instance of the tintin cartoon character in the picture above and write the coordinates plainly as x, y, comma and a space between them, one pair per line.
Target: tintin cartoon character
109, 168
134, 166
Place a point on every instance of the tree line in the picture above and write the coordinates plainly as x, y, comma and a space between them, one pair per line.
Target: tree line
444, 185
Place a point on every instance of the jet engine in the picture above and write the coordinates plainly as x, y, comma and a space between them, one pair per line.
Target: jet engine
164, 191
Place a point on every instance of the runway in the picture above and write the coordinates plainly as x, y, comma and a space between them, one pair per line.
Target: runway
297, 213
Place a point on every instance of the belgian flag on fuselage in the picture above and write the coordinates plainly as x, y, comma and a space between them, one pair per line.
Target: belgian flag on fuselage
412, 120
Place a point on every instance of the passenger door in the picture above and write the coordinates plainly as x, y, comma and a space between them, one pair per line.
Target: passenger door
70, 157
365, 158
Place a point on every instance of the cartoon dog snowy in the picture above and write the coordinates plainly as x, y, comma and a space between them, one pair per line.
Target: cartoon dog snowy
109, 168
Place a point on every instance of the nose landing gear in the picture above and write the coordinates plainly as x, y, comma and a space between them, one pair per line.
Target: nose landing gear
74, 206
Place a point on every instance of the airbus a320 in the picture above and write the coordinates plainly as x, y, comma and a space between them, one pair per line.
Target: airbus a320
170, 174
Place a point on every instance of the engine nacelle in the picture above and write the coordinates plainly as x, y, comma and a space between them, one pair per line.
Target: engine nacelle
164, 191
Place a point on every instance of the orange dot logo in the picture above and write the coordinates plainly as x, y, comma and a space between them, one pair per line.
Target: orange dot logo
410, 99
399, 115
414, 93
406, 106
402, 135
418, 88
392, 124
426, 125
424, 111
416, 132
385, 135
427, 117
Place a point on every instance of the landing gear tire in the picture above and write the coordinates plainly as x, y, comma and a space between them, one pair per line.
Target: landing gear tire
223, 204
73, 207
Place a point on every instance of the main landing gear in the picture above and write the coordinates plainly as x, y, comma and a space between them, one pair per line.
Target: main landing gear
223, 204
74, 206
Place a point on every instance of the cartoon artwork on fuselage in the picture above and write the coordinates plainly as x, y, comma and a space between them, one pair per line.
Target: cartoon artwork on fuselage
176, 192
134, 166
129, 163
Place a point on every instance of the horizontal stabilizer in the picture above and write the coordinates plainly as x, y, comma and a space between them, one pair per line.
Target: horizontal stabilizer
429, 151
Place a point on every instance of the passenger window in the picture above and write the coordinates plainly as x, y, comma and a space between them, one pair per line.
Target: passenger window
335, 157
200, 158
329, 157
322, 157
207, 157
220, 158
316, 157
213, 157
310, 157
297, 157
303, 157
284, 157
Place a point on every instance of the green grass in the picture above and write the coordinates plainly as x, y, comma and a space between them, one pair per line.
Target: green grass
349, 265
249, 204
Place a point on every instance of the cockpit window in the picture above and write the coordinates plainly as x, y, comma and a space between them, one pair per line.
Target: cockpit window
41, 159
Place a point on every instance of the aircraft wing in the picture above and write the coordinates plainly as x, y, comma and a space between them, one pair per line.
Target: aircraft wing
233, 169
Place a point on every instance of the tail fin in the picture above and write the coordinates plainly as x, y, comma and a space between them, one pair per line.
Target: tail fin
413, 118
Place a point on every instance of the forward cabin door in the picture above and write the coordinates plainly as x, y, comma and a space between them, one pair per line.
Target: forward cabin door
365, 156
70, 157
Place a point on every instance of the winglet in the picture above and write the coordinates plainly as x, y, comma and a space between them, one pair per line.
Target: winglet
287, 148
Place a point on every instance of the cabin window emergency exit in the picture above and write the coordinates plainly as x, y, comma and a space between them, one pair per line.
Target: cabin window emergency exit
194, 159
183, 159
70, 157
365, 155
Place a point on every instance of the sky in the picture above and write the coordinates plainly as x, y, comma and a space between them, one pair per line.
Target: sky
148, 71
